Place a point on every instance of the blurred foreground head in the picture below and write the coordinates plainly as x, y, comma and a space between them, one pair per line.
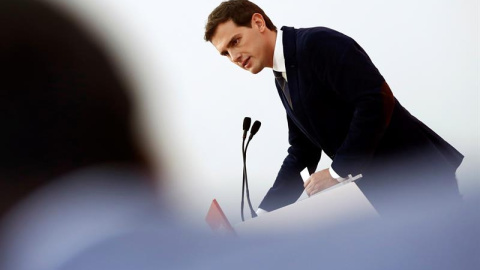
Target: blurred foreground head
63, 106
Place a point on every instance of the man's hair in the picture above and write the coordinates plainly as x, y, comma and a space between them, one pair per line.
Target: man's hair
239, 11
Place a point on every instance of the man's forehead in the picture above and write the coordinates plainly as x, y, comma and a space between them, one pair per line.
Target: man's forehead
224, 33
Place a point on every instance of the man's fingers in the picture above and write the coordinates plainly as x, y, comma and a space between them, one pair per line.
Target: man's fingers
307, 182
309, 187
318, 182
313, 192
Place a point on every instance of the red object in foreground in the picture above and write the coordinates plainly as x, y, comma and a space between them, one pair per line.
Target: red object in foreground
217, 219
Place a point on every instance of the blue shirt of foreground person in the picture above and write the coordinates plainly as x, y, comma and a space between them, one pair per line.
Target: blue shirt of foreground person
337, 102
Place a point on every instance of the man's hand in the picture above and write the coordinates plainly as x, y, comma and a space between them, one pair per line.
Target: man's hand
319, 181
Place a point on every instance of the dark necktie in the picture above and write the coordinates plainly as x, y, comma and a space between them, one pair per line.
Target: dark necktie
284, 85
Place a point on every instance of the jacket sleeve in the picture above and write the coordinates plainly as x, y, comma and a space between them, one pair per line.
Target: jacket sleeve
351, 74
288, 185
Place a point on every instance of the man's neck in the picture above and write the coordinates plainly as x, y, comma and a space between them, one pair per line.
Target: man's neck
272, 37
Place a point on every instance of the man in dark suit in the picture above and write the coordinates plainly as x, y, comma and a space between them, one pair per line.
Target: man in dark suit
336, 101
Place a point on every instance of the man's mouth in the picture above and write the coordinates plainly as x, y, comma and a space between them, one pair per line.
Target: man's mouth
246, 62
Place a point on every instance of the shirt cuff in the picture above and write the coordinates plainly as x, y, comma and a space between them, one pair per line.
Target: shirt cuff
340, 179
335, 175
260, 211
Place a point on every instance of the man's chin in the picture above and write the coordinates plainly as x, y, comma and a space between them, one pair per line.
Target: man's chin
255, 70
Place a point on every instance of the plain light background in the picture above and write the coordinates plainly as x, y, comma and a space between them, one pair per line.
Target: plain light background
193, 101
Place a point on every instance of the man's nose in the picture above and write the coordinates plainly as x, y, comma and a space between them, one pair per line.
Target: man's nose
235, 57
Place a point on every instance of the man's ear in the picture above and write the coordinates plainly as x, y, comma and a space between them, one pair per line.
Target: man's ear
258, 22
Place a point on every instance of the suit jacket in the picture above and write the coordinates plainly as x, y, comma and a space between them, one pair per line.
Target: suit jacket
342, 105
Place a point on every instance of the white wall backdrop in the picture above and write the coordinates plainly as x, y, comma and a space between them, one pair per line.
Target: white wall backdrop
193, 101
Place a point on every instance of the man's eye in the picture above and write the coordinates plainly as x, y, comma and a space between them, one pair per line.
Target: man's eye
236, 41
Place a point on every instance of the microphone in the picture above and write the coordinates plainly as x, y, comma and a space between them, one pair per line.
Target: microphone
255, 128
246, 126
253, 131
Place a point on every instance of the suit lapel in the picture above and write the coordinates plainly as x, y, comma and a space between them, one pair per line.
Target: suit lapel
289, 47
298, 114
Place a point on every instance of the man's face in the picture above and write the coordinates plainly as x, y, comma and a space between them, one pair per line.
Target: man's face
244, 46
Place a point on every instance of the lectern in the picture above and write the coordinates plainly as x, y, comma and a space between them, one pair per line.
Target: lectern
340, 204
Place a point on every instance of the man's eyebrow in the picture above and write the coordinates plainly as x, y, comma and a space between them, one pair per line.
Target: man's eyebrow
229, 44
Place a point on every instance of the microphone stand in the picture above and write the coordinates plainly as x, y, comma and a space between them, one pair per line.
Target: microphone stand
253, 131
245, 179
244, 173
